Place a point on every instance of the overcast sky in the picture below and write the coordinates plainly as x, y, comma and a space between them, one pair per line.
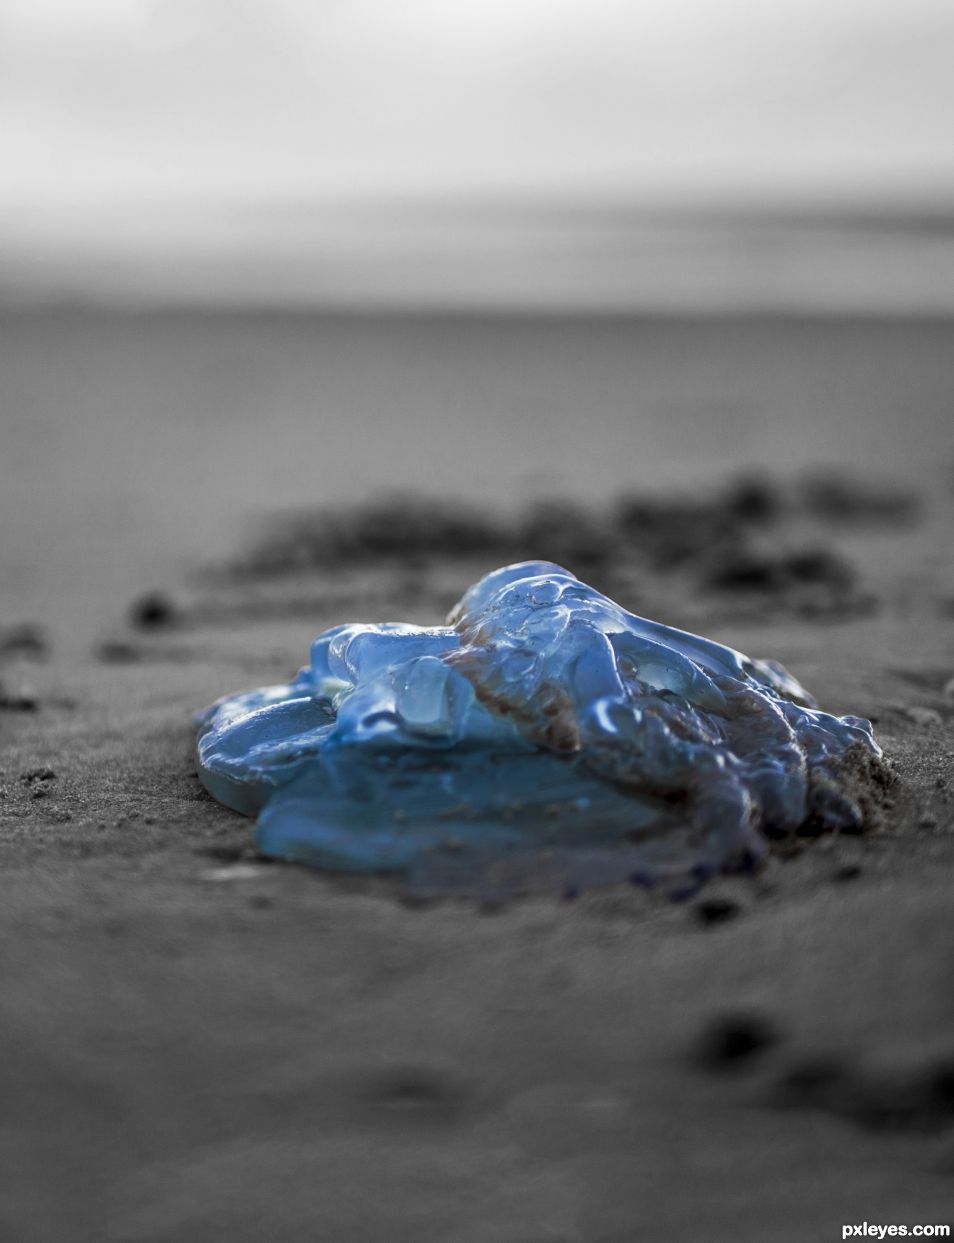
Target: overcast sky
202, 109
223, 97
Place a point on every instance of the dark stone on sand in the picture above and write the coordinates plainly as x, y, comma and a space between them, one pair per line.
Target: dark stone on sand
847, 871
716, 911
734, 1039
154, 611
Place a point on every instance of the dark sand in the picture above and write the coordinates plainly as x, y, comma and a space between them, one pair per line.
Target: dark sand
199, 1045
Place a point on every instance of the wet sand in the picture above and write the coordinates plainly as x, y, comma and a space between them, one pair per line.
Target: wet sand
202, 1045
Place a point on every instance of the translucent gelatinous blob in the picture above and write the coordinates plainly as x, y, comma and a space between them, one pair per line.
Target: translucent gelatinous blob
543, 736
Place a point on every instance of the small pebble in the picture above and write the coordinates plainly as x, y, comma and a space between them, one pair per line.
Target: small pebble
716, 911
735, 1038
848, 871
154, 611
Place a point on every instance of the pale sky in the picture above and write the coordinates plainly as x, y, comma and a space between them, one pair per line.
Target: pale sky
185, 98
115, 112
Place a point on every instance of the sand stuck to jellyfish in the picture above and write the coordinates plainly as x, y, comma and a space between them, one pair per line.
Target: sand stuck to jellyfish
543, 738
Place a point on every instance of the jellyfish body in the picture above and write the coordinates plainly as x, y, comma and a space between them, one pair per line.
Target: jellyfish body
544, 732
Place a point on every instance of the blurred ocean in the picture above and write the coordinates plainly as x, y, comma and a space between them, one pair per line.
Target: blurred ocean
539, 257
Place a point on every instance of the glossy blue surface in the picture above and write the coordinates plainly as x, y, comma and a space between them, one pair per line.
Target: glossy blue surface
543, 736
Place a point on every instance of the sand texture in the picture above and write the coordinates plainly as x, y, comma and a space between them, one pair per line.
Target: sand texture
201, 1045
